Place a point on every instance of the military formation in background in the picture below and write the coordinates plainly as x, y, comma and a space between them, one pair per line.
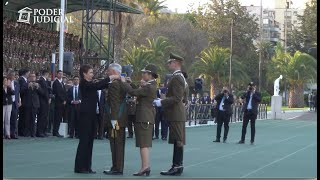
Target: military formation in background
31, 46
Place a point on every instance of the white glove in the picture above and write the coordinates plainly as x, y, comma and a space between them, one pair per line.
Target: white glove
157, 102
113, 122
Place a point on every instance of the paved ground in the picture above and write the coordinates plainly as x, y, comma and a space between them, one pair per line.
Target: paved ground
283, 149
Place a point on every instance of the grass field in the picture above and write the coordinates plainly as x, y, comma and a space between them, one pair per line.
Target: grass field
283, 149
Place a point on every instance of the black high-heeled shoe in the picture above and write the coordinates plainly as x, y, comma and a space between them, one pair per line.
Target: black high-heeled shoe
146, 171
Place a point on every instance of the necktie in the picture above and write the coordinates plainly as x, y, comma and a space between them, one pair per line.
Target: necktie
76, 93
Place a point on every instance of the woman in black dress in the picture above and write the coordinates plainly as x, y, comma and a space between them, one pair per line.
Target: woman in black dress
87, 119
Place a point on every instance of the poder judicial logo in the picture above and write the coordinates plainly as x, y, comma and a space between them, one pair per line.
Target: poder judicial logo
42, 16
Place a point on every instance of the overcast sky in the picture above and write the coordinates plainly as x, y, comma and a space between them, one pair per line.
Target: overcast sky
182, 5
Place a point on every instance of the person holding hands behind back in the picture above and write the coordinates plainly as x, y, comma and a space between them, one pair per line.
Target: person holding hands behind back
145, 114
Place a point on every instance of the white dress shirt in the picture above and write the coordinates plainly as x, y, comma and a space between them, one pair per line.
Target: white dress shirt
13, 96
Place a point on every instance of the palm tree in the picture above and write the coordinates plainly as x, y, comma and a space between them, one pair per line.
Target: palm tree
125, 21
214, 66
139, 57
296, 70
153, 7
158, 48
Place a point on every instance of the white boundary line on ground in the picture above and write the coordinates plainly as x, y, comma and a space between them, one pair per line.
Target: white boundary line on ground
238, 152
273, 162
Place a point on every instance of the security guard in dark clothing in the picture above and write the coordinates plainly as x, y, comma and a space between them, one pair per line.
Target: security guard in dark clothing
224, 102
131, 111
253, 98
174, 110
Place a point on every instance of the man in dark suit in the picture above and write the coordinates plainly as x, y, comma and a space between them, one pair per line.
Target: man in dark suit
160, 116
16, 103
31, 104
23, 83
224, 102
100, 115
253, 98
193, 99
60, 94
74, 101
205, 99
42, 121
131, 111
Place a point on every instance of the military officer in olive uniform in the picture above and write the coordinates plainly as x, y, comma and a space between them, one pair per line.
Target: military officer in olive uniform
174, 110
145, 114
116, 107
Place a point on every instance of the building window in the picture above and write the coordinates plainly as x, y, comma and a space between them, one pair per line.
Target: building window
295, 13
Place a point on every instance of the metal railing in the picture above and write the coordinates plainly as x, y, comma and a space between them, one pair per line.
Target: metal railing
201, 113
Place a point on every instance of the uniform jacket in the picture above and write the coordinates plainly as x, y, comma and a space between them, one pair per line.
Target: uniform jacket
145, 111
115, 99
173, 106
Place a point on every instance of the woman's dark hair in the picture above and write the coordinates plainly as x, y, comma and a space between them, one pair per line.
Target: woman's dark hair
84, 69
185, 75
154, 75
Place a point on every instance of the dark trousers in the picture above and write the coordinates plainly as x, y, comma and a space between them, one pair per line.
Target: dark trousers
74, 120
51, 117
131, 120
22, 121
86, 137
164, 125
14, 120
223, 118
30, 118
58, 114
249, 116
99, 126
117, 145
177, 159
42, 118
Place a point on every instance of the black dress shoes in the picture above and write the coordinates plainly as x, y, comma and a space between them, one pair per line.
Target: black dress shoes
144, 172
14, 137
174, 171
112, 172
224, 140
164, 138
58, 135
252, 142
40, 135
82, 171
241, 142
130, 137
155, 138
217, 140
91, 171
